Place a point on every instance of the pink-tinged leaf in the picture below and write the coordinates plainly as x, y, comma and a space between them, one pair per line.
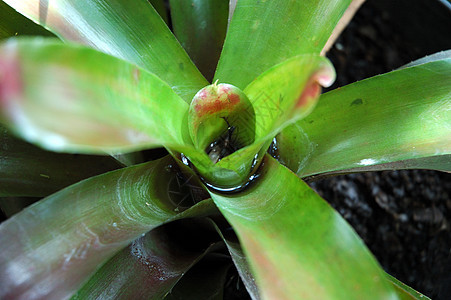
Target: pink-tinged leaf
151, 266
214, 109
51, 248
73, 99
396, 120
298, 247
130, 30
288, 92
280, 96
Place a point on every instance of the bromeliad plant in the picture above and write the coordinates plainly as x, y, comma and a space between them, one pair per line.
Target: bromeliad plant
153, 230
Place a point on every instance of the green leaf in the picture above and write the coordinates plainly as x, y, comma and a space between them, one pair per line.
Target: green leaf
200, 26
13, 24
214, 109
71, 98
280, 96
265, 33
130, 30
60, 241
26, 170
151, 265
396, 120
404, 291
205, 280
297, 245
288, 92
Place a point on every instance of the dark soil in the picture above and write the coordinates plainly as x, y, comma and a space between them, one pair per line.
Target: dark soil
403, 216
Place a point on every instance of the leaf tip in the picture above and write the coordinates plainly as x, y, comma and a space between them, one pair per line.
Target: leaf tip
326, 75
323, 77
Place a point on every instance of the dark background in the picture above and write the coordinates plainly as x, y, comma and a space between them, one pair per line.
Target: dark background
403, 216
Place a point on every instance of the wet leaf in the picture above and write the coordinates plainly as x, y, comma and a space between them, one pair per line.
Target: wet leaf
397, 120
200, 26
297, 245
265, 33
60, 241
145, 40
75, 99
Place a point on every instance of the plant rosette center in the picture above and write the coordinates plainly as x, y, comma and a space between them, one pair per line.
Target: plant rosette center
235, 127
221, 120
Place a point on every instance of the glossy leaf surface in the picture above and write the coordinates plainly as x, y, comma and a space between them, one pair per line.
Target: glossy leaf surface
150, 266
13, 24
26, 170
297, 245
71, 98
59, 242
265, 33
131, 30
200, 26
397, 120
